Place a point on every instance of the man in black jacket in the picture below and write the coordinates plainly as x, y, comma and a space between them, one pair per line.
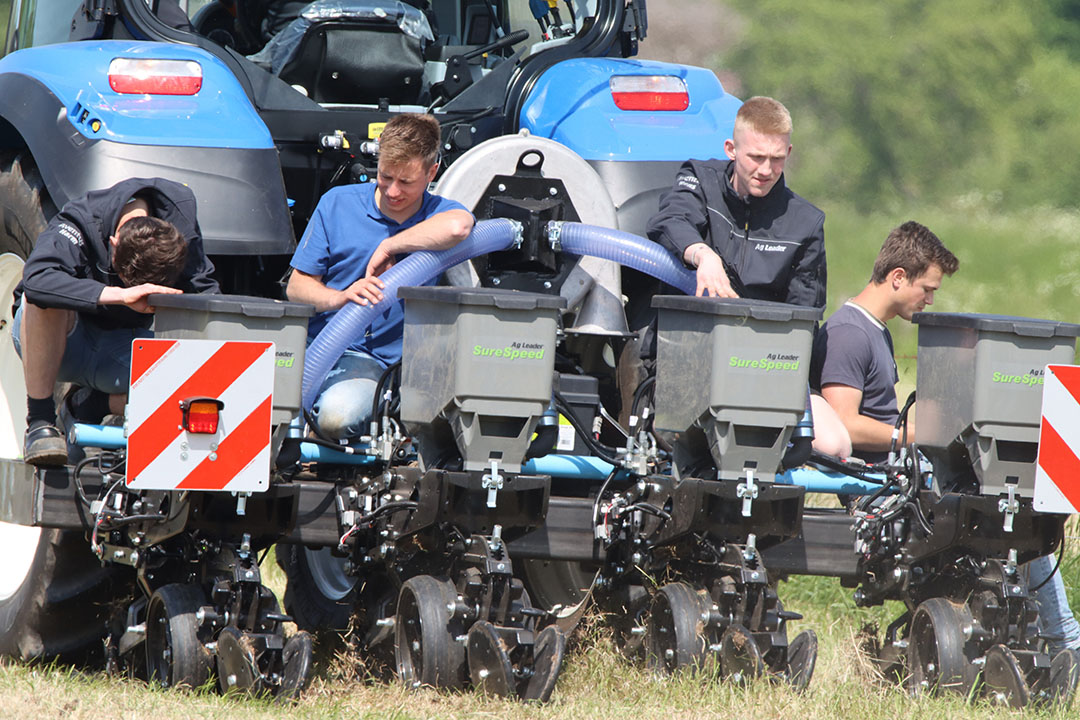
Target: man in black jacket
738, 224
83, 298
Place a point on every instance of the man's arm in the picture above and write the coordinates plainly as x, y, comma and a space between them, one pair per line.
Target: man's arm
310, 289
712, 278
807, 286
439, 232
681, 225
866, 432
135, 297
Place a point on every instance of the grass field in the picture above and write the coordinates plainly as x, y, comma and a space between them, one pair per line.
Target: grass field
1024, 265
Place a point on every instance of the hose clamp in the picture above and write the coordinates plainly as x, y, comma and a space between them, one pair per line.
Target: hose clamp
519, 234
554, 233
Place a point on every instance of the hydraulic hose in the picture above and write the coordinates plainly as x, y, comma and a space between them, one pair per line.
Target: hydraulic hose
487, 236
624, 248
419, 267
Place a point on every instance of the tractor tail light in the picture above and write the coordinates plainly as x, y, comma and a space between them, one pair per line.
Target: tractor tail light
649, 93
139, 76
200, 415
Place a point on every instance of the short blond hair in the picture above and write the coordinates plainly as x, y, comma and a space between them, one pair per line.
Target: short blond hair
410, 136
764, 115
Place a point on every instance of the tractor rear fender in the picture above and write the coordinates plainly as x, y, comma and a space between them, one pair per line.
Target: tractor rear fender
83, 135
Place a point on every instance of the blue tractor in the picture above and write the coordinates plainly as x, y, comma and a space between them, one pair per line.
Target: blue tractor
260, 107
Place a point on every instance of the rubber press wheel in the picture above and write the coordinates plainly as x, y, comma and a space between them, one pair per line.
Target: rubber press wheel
425, 647
174, 654
936, 656
675, 630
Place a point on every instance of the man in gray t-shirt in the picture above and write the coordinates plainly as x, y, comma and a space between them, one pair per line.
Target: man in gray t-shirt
854, 349
852, 364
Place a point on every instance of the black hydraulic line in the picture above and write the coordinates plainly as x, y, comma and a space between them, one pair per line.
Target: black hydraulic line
651, 509
377, 400
387, 508
901, 419
831, 463
600, 495
643, 387
115, 522
118, 462
1061, 554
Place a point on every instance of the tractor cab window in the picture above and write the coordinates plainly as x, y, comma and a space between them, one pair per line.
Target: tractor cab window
33, 22
405, 53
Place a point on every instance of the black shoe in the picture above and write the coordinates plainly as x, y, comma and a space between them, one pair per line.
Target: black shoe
45, 446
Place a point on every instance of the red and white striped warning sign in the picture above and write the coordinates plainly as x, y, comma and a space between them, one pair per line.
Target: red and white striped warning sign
1057, 475
162, 455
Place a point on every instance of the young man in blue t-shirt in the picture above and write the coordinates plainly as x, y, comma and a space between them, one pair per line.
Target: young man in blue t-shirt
356, 234
853, 368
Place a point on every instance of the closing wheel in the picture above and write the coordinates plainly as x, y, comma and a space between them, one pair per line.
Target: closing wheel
1003, 679
425, 647
489, 662
548, 653
1063, 678
296, 666
675, 631
174, 654
237, 669
936, 656
801, 659
740, 656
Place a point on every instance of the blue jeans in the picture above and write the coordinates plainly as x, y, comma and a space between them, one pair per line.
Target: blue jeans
93, 358
343, 408
1056, 619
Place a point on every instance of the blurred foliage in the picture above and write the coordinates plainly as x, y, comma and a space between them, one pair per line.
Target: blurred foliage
916, 101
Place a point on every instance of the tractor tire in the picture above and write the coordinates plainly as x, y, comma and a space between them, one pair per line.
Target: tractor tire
55, 597
318, 594
54, 594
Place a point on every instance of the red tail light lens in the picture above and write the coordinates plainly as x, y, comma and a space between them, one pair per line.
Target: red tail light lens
200, 415
139, 76
649, 93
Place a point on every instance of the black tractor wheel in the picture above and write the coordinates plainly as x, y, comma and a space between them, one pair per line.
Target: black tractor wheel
55, 596
426, 647
175, 655
936, 648
319, 595
675, 630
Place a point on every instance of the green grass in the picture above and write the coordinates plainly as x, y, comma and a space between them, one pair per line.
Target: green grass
1025, 264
